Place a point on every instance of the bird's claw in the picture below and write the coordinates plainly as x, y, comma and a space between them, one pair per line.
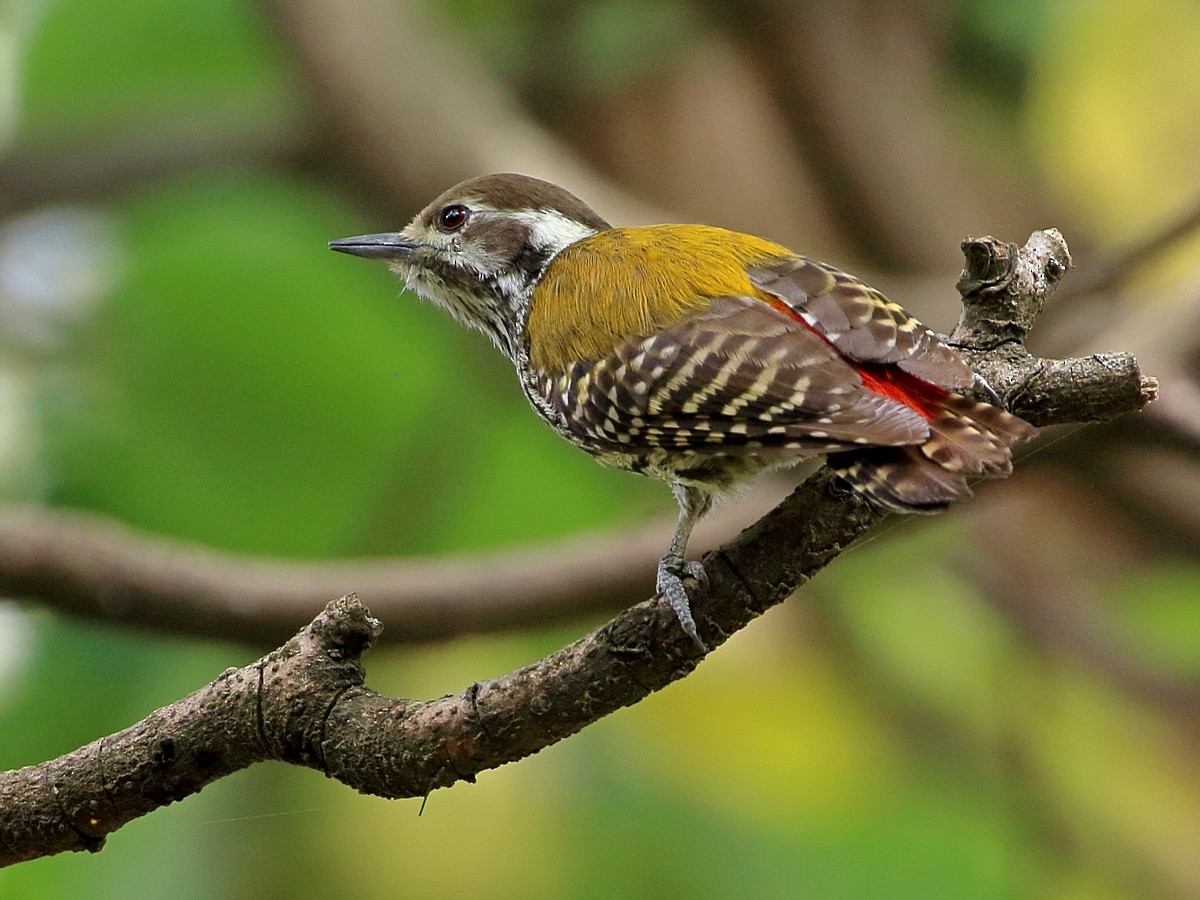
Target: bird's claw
693, 568
981, 383
670, 585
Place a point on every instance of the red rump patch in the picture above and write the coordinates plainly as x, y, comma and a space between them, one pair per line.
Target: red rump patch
888, 380
898, 385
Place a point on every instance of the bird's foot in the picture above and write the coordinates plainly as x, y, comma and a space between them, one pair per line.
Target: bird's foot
981, 383
671, 573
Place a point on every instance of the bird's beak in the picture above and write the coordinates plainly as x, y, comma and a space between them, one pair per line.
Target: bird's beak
376, 246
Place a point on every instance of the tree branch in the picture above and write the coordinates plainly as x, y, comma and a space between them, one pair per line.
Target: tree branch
305, 703
96, 168
1004, 289
99, 568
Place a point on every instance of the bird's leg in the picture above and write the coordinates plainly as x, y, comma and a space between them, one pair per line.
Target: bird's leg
673, 568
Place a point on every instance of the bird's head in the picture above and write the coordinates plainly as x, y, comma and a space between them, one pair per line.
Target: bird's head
479, 249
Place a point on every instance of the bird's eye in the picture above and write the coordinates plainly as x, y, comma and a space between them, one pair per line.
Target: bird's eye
452, 218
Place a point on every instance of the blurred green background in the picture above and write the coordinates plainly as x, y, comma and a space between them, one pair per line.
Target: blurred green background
999, 703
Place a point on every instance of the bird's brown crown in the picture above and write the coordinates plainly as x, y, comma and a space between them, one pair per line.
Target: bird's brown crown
509, 192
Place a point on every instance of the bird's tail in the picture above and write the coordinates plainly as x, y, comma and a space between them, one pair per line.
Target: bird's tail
966, 439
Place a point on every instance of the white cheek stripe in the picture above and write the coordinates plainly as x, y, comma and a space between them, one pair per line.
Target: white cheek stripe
550, 230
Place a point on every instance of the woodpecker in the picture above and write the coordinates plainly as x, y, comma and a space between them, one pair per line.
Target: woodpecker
700, 356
